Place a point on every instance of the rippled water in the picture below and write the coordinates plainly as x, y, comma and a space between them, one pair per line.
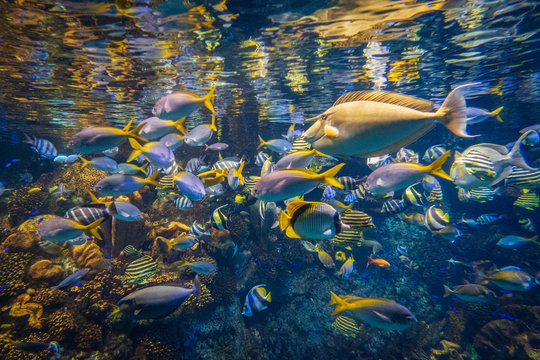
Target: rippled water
66, 65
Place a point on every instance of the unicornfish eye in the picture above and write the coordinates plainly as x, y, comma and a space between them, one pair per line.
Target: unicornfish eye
323, 116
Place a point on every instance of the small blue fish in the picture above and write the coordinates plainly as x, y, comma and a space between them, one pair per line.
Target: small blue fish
72, 278
329, 192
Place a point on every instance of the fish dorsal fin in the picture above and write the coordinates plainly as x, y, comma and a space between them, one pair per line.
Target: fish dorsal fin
292, 207
386, 97
499, 148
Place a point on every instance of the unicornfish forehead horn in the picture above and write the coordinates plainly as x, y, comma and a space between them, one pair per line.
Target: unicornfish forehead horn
313, 119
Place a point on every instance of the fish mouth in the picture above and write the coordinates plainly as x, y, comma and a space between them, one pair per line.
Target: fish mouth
315, 132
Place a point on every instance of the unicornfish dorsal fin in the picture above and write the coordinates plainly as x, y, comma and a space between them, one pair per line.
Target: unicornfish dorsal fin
388, 98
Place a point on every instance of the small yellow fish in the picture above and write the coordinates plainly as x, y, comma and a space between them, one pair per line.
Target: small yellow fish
34, 190
213, 177
324, 257
239, 199
340, 256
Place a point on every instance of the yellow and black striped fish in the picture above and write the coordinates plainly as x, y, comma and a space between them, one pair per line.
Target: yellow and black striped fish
528, 200
477, 164
139, 270
299, 144
435, 195
166, 182
527, 224
250, 183
523, 178
351, 237
357, 219
347, 326
132, 253
414, 195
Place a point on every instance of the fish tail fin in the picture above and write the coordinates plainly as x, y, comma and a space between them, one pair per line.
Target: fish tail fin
152, 179
196, 286
206, 147
534, 239
284, 220
515, 155
340, 304
495, 114
454, 112
329, 176
343, 206
134, 133
126, 128
435, 168
84, 162
179, 125
143, 169
447, 291
137, 149
93, 198
369, 261
92, 228
261, 142
28, 139
208, 101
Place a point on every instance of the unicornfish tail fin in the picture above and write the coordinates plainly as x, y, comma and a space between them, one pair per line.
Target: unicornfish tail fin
453, 111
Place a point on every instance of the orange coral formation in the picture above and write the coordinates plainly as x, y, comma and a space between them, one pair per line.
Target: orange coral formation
82, 180
12, 271
45, 270
22, 307
89, 255
25, 237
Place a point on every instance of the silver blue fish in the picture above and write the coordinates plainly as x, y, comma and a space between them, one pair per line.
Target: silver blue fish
72, 278
190, 185
43, 147
124, 211
172, 141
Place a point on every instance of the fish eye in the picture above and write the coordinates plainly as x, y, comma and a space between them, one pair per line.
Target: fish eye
323, 116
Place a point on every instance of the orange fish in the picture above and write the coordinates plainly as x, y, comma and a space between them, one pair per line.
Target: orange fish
378, 262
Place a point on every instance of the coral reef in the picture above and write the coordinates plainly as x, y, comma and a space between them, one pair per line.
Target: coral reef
89, 255
89, 337
24, 201
81, 180
119, 346
50, 297
238, 227
12, 271
45, 270
153, 348
62, 326
23, 307
449, 351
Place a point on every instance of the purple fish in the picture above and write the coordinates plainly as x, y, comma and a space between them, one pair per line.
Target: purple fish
217, 147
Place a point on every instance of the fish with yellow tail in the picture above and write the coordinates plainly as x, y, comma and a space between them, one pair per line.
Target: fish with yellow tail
347, 268
471, 293
397, 176
96, 139
181, 104
298, 160
213, 177
310, 220
277, 145
235, 177
60, 229
288, 183
378, 312
155, 128
116, 185
159, 155
373, 123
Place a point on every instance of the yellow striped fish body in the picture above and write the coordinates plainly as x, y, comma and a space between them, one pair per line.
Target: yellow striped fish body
523, 178
436, 219
351, 237
347, 326
139, 270
166, 182
357, 219
250, 183
299, 144
435, 195
528, 200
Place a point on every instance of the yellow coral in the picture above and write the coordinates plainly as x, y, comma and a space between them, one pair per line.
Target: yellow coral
82, 180
22, 307
45, 269
89, 255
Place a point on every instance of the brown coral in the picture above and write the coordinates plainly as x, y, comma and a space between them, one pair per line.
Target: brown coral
45, 270
82, 180
62, 325
89, 255
50, 297
12, 271
449, 351
90, 337
156, 349
25, 237
23, 307
23, 202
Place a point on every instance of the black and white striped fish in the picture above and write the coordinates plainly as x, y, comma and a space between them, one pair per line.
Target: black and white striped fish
436, 219
523, 178
483, 220
350, 237
433, 153
394, 206
43, 147
257, 300
86, 215
194, 165
480, 194
349, 183
478, 164
357, 219
378, 161
347, 326
261, 158
407, 155
183, 203
198, 230
139, 270
299, 144
227, 163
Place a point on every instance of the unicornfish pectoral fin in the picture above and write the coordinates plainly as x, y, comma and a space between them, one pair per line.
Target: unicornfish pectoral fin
331, 131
